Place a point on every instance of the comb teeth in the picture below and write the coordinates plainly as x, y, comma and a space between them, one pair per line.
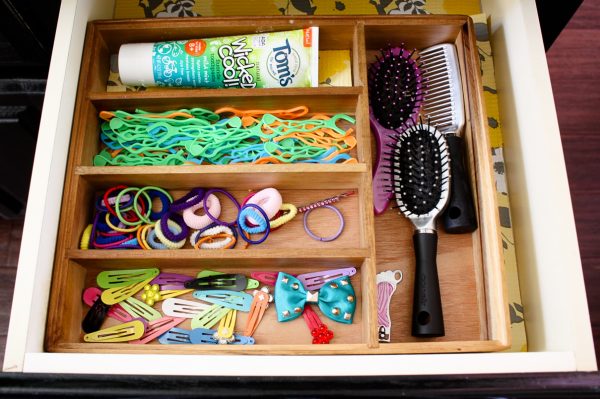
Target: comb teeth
442, 101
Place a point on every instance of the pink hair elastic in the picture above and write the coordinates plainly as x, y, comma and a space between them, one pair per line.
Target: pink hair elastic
269, 200
199, 222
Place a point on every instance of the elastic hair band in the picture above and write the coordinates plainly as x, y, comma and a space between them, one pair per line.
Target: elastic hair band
165, 227
151, 216
160, 234
212, 230
118, 209
152, 240
117, 228
246, 213
265, 220
324, 239
141, 236
207, 242
195, 196
292, 211
228, 195
199, 222
86, 236
106, 197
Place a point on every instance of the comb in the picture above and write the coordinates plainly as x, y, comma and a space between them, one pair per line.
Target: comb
444, 107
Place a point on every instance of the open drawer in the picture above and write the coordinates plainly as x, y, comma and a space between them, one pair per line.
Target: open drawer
43, 348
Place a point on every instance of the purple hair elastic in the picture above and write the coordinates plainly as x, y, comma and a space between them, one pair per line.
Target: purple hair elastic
228, 195
324, 239
164, 226
267, 224
190, 199
171, 281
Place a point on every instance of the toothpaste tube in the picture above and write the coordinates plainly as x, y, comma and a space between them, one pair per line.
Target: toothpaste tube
276, 59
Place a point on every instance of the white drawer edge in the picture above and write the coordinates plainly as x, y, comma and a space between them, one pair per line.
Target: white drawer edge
543, 222
478, 363
30, 299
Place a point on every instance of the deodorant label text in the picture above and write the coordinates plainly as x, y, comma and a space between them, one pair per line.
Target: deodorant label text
278, 59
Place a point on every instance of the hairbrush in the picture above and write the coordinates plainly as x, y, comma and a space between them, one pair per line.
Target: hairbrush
420, 175
395, 95
443, 106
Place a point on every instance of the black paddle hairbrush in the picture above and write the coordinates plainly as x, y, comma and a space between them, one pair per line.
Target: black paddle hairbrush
420, 177
395, 96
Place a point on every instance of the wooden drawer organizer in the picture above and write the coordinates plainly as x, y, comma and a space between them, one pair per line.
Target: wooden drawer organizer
470, 266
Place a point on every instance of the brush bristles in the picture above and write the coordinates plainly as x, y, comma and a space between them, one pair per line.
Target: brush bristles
419, 169
395, 87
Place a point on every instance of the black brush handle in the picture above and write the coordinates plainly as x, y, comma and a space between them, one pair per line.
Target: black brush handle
459, 216
427, 317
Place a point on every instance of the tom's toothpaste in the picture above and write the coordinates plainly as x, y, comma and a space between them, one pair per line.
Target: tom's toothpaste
275, 59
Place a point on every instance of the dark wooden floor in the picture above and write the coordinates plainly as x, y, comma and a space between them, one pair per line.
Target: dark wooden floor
575, 72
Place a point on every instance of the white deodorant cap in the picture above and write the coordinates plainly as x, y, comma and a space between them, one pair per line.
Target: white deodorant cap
135, 64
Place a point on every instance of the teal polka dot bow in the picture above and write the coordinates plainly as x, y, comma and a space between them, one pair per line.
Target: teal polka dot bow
336, 298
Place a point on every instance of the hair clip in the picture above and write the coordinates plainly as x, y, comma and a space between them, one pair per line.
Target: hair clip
166, 294
224, 332
177, 307
336, 299
175, 336
315, 280
171, 281
95, 316
120, 278
115, 311
326, 201
268, 278
252, 283
209, 317
260, 303
207, 336
156, 328
118, 294
120, 333
137, 308
386, 286
320, 332
233, 282
237, 300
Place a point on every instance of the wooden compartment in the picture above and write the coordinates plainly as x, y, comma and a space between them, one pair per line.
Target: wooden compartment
470, 266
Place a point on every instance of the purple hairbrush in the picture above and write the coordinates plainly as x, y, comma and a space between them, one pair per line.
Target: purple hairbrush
395, 96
